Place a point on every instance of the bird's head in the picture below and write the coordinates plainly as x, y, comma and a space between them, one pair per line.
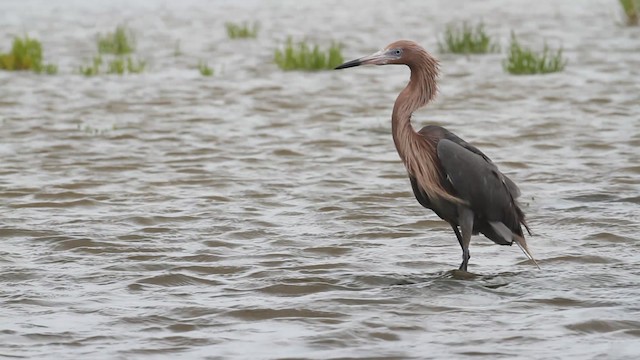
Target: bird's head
399, 52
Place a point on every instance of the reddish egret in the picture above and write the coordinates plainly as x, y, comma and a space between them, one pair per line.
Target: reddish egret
448, 175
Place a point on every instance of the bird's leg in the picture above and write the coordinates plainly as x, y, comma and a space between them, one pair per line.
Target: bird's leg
457, 232
466, 225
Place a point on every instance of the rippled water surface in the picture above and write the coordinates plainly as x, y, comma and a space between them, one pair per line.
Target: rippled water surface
261, 214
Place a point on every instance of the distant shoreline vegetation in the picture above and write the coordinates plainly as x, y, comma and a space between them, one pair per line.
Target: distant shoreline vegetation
116, 50
26, 54
119, 42
467, 39
631, 11
242, 31
117, 47
524, 61
303, 56
204, 69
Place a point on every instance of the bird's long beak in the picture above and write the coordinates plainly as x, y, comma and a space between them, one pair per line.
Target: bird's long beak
378, 58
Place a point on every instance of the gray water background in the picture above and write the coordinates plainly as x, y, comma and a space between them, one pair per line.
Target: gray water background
261, 214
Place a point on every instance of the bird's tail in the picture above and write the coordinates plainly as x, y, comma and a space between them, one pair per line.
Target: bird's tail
506, 233
522, 244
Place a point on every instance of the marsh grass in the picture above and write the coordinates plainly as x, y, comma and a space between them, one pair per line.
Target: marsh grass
119, 65
119, 42
242, 31
631, 10
113, 56
26, 54
49, 69
524, 61
93, 68
135, 66
467, 39
204, 69
302, 56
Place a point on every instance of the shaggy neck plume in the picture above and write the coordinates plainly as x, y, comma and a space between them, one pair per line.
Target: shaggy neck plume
416, 152
421, 89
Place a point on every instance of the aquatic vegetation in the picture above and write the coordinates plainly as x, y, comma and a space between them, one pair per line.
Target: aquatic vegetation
119, 65
524, 61
119, 42
135, 66
302, 56
114, 46
116, 66
93, 68
467, 39
631, 10
49, 69
204, 69
26, 54
241, 31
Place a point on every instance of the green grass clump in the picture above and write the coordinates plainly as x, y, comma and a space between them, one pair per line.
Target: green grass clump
49, 69
116, 66
204, 69
466, 39
631, 9
302, 56
92, 69
523, 61
26, 54
115, 47
119, 42
135, 66
241, 31
121, 65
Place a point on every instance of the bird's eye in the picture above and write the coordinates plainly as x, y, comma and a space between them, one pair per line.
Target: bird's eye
398, 52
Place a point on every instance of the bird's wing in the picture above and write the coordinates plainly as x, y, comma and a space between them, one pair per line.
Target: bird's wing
478, 181
511, 186
439, 132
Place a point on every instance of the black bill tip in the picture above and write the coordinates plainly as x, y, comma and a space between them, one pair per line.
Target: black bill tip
349, 64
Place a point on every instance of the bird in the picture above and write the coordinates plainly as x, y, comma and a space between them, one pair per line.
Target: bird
449, 176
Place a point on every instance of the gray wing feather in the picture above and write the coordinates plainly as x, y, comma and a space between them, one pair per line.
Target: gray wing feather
477, 180
511, 186
441, 133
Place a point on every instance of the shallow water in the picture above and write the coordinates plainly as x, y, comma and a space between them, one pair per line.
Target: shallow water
262, 214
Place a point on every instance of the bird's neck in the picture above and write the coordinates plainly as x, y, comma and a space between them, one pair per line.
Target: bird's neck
421, 89
418, 153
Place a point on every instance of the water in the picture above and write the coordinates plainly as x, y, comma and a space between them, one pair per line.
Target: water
259, 214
